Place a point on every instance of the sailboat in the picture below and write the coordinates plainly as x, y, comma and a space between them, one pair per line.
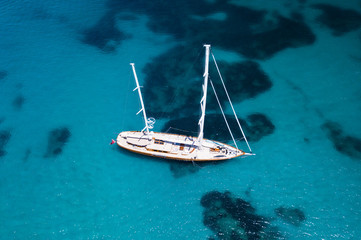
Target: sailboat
182, 147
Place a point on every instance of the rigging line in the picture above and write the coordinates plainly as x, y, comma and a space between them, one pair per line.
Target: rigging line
168, 129
195, 164
230, 102
224, 116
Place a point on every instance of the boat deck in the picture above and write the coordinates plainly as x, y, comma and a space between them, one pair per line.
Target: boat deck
177, 147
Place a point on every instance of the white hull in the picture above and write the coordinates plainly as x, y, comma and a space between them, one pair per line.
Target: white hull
176, 147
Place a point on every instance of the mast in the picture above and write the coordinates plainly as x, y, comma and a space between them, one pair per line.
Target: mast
147, 127
204, 98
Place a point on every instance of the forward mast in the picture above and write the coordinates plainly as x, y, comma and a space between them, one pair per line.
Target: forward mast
203, 101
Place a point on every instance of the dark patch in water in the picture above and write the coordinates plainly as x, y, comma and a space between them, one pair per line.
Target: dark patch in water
128, 17
288, 33
345, 144
244, 80
181, 169
297, 16
248, 31
170, 83
40, 14
56, 141
164, 16
175, 78
258, 126
234, 218
4, 139
339, 20
355, 58
3, 74
18, 102
291, 215
255, 127
104, 34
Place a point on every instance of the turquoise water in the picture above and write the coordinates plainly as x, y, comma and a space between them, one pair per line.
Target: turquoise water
51, 78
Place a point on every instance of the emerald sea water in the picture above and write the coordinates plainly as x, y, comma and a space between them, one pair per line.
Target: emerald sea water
293, 70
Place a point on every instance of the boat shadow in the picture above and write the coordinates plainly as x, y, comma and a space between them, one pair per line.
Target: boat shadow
177, 167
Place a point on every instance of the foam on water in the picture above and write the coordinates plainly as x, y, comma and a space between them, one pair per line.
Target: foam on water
93, 190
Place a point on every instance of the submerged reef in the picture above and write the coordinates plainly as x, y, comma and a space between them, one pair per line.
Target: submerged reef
253, 33
256, 126
56, 141
345, 144
4, 139
291, 215
339, 20
243, 80
104, 34
283, 33
175, 78
169, 88
230, 217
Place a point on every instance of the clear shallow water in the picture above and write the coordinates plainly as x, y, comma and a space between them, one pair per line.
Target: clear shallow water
95, 191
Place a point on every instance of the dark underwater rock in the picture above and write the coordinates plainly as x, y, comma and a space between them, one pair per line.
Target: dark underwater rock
4, 139
230, 217
256, 126
243, 80
56, 141
339, 20
345, 144
104, 35
169, 17
173, 82
18, 102
291, 215
254, 33
257, 34
297, 16
288, 34
3, 74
